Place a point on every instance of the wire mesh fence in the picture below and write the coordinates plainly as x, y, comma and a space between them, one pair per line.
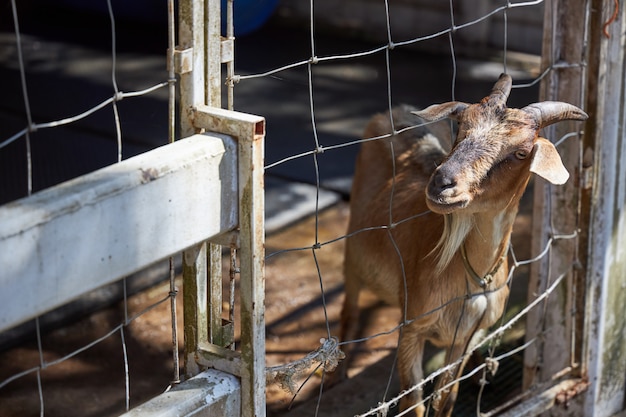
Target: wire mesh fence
52, 131
503, 348
319, 91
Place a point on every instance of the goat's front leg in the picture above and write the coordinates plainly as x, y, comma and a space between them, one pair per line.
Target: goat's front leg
410, 354
350, 326
446, 397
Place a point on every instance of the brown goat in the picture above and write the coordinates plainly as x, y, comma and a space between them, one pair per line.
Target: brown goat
429, 230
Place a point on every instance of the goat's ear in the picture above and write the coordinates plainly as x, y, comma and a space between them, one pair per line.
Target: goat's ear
547, 163
452, 109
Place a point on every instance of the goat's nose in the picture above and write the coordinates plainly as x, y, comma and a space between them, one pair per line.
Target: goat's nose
442, 180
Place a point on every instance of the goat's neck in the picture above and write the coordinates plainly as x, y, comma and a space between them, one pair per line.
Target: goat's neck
488, 240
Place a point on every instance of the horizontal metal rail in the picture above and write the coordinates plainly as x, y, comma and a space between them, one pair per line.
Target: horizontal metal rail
96, 229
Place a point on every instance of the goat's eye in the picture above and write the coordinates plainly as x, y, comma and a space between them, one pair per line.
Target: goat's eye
521, 154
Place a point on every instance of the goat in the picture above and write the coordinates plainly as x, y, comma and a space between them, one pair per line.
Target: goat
429, 230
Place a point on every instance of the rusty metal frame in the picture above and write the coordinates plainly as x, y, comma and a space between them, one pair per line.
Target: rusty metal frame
579, 363
199, 56
249, 131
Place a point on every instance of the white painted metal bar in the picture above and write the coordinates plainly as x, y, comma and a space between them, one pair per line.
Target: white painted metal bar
208, 394
67, 240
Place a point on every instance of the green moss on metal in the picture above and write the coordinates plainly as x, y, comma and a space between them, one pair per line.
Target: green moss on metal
614, 355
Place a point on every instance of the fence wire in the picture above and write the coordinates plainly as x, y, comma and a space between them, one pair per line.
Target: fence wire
25, 135
293, 376
328, 353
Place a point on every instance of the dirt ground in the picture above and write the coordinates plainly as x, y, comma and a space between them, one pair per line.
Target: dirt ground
92, 383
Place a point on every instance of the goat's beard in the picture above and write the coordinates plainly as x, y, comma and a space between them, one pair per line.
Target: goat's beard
456, 227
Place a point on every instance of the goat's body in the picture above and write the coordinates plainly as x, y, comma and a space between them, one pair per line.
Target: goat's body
380, 259
416, 208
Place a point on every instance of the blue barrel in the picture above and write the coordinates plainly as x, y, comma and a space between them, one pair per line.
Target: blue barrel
249, 15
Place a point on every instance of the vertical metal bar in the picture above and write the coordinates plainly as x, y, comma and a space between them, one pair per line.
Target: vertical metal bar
249, 130
215, 294
230, 65
171, 46
234, 270
213, 98
604, 353
230, 72
554, 321
213, 52
252, 229
195, 304
171, 71
174, 318
191, 36
599, 190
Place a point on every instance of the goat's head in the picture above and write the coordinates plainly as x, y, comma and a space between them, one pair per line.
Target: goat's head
496, 149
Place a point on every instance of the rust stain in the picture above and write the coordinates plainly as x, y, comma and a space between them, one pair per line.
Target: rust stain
563, 397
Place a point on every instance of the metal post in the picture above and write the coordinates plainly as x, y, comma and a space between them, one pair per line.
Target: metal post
556, 209
582, 325
213, 98
249, 131
604, 351
201, 53
190, 67
252, 225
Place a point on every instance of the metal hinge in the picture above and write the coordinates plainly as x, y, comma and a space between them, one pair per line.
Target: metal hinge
183, 61
227, 50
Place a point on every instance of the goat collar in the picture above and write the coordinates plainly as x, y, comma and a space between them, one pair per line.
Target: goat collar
488, 278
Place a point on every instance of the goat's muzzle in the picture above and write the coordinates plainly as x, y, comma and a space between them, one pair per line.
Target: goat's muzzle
444, 194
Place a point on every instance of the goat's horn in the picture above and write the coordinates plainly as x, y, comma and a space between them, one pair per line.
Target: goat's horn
549, 112
501, 89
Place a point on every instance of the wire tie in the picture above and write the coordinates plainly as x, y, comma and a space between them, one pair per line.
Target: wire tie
492, 365
313, 60
383, 411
